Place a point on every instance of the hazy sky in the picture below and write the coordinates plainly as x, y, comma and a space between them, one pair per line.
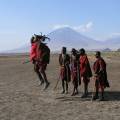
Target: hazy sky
19, 19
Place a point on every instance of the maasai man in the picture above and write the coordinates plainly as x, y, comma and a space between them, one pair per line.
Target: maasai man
39, 53
75, 71
100, 76
85, 71
33, 58
64, 61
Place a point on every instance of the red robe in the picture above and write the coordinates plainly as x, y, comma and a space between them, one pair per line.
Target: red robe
64, 68
99, 69
75, 68
75, 74
36, 54
85, 70
33, 54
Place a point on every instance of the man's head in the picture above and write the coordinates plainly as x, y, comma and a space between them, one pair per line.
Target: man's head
38, 38
98, 54
32, 40
63, 50
73, 51
82, 51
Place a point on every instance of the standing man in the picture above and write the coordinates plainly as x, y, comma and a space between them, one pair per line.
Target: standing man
100, 75
85, 71
40, 55
75, 71
64, 61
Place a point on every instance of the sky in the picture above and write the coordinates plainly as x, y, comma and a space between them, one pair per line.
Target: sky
20, 19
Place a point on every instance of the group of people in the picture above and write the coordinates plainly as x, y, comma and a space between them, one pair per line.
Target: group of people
74, 67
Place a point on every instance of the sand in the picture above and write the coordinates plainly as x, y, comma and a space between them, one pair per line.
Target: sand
21, 97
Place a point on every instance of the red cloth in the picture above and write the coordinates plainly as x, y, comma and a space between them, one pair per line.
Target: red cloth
36, 54
74, 73
33, 54
64, 68
65, 73
74, 68
62, 73
85, 70
99, 69
99, 65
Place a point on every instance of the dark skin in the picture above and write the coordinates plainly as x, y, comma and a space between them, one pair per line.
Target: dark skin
82, 52
41, 73
36, 68
75, 89
97, 86
64, 83
63, 51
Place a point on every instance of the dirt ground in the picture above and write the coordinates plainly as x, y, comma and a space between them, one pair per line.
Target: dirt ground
21, 97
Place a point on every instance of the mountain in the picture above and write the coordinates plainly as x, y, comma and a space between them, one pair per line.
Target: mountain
23, 49
70, 38
113, 43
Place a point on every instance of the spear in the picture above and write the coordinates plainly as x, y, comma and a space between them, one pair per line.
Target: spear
57, 83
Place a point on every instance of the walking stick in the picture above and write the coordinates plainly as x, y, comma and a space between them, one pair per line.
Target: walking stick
93, 91
57, 83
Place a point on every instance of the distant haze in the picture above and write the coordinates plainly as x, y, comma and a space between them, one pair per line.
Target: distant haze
71, 39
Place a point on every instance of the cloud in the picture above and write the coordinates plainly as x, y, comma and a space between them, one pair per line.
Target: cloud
115, 34
81, 28
60, 26
84, 28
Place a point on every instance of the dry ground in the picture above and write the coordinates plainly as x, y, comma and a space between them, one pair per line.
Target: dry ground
21, 98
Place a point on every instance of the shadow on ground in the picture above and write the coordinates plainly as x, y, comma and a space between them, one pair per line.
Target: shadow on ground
109, 96
112, 95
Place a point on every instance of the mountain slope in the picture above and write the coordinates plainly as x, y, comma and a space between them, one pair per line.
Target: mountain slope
23, 49
113, 43
70, 38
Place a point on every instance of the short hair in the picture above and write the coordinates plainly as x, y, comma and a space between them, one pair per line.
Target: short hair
64, 48
98, 53
73, 50
32, 39
82, 50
